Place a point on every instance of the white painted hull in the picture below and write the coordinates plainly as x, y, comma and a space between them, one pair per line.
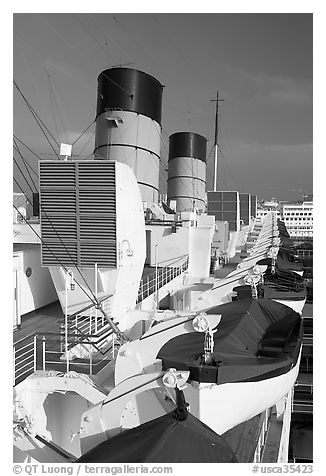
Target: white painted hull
222, 407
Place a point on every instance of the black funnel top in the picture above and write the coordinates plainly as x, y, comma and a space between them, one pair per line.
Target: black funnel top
187, 144
129, 90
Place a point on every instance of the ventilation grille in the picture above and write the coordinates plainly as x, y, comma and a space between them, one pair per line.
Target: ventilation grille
225, 207
78, 213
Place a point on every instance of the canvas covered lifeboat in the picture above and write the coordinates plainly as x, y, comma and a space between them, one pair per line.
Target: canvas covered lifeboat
284, 286
240, 367
176, 437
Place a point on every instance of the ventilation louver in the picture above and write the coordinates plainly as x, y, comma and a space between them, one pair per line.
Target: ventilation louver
78, 213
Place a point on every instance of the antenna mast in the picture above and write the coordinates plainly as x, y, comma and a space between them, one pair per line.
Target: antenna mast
217, 100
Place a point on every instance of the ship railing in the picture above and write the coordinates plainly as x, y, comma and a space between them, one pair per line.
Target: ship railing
307, 340
154, 281
304, 254
302, 398
262, 435
44, 352
24, 357
88, 320
302, 407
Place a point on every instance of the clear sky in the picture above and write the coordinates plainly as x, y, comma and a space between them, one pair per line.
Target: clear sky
260, 63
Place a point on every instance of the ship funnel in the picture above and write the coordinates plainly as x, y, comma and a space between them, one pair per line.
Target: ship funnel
128, 124
187, 171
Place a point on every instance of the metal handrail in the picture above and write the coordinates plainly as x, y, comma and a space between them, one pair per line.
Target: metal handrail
85, 323
19, 360
165, 275
87, 340
89, 306
76, 335
30, 362
24, 338
262, 435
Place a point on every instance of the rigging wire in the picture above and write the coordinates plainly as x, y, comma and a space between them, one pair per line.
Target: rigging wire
56, 104
29, 70
24, 161
104, 48
38, 120
28, 148
27, 164
229, 147
84, 132
80, 54
90, 34
135, 41
53, 107
119, 45
85, 145
25, 45
34, 112
22, 175
228, 167
21, 201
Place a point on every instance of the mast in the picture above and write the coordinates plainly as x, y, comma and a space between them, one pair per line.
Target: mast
217, 100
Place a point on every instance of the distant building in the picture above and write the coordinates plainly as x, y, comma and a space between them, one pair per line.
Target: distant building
268, 206
298, 219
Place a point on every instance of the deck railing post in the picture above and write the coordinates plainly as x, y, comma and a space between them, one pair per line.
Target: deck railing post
35, 350
156, 276
62, 337
76, 330
141, 289
43, 353
95, 278
14, 364
91, 360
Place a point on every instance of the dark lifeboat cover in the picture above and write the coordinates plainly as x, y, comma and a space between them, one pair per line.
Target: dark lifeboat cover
284, 261
241, 351
163, 440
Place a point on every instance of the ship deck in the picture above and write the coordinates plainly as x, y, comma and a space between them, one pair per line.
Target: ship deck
224, 271
243, 438
46, 319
